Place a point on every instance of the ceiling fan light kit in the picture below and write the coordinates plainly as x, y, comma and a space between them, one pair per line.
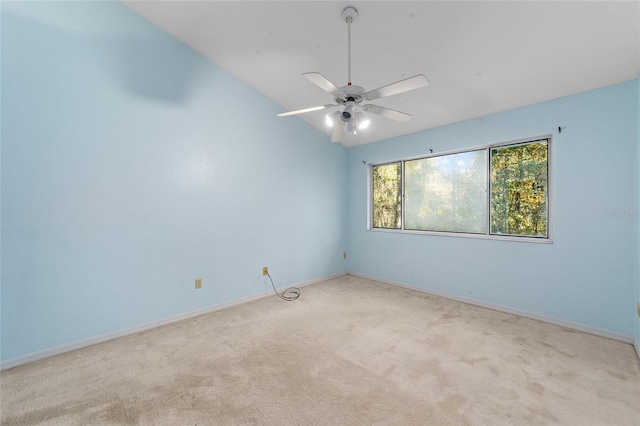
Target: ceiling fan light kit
350, 96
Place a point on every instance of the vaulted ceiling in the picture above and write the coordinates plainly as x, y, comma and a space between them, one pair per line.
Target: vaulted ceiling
481, 57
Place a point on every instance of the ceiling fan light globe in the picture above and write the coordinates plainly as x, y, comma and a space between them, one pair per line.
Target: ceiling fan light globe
345, 116
328, 120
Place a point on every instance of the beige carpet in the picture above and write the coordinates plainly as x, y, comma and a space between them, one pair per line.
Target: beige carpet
348, 352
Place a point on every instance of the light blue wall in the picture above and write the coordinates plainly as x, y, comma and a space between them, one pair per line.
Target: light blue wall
588, 275
132, 165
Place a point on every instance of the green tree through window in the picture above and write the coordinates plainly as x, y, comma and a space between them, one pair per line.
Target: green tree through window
387, 196
519, 176
460, 193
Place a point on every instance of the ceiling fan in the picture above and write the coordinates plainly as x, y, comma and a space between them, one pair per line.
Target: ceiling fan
351, 97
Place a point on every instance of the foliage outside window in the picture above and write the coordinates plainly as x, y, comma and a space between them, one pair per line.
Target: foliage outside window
447, 193
519, 176
500, 190
387, 196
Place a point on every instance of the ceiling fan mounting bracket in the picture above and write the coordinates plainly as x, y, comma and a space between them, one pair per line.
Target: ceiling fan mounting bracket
349, 14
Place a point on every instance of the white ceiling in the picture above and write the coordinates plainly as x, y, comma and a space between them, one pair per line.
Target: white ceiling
480, 57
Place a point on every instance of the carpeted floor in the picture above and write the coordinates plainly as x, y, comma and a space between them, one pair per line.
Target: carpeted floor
348, 352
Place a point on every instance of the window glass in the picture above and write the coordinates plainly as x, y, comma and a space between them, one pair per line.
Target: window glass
519, 188
447, 193
461, 193
387, 196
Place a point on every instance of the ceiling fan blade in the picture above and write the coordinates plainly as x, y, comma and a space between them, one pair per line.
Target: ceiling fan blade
302, 111
411, 83
338, 132
386, 112
320, 81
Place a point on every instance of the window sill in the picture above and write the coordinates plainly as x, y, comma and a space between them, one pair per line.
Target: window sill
535, 240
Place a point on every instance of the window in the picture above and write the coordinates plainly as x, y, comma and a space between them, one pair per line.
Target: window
519, 176
500, 190
447, 193
387, 196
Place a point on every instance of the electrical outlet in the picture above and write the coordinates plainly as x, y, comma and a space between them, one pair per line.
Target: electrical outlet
198, 283
265, 270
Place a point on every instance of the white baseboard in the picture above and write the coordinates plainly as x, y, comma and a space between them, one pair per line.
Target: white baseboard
543, 318
46, 353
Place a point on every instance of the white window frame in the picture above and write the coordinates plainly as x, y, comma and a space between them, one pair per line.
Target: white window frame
487, 235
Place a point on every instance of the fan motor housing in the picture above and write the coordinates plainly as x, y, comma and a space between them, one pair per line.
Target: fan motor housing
352, 94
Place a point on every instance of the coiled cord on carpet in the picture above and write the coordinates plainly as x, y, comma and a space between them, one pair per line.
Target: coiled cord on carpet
290, 294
